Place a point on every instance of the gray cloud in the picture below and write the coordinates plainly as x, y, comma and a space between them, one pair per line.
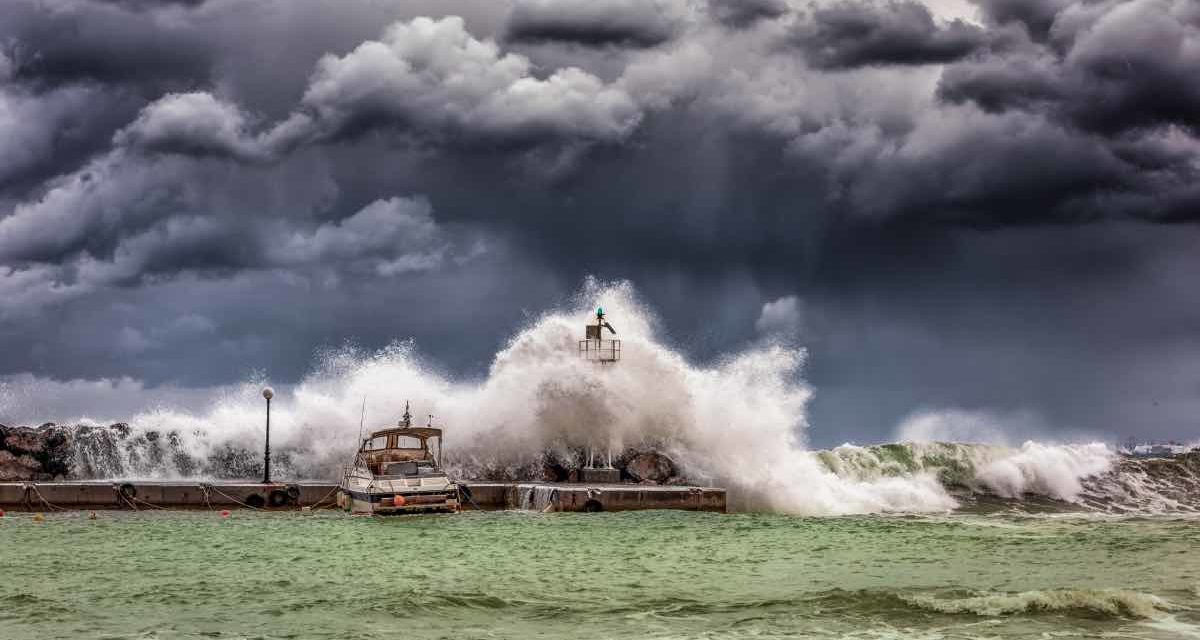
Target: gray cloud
968, 211
781, 318
1129, 67
1037, 16
195, 124
635, 23
433, 78
744, 13
59, 41
898, 32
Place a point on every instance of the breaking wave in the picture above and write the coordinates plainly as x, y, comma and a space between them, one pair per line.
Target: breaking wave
739, 423
1105, 602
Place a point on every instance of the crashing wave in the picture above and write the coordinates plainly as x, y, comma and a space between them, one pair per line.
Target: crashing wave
739, 422
1086, 476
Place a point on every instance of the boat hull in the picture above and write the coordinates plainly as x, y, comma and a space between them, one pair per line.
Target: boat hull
392, 503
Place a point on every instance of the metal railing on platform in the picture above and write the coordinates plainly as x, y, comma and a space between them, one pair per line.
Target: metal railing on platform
600, 350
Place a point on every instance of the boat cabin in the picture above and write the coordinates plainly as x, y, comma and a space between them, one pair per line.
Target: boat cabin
402, 452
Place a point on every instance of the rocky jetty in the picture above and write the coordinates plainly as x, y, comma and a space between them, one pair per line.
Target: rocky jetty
643, 466
87, 452
35, 453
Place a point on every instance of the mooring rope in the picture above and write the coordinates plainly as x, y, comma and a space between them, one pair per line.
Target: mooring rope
127, 500
468, 495
322, 500
235, 500
148, 504
43, 498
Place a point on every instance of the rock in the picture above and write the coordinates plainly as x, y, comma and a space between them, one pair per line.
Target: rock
650, 465
553, 472
41, 453
13, 467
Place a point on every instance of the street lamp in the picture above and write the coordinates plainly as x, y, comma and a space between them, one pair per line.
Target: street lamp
268, 393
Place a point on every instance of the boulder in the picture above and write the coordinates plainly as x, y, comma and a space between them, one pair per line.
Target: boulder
650, 466
34, 453
14, 467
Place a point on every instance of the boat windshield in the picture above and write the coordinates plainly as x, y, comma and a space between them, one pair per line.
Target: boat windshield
380, 443
411, 468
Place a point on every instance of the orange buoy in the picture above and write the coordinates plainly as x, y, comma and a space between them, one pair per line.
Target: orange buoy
91, 515
1, 513
39, 517
399, 501
225, 513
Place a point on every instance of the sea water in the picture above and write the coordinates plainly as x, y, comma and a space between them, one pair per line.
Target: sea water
664, 574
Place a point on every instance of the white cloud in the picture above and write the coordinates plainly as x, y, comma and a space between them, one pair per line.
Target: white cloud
432, 77
393, 236
782, 317
192, 123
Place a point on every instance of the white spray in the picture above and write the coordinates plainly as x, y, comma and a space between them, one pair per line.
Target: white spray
740, 422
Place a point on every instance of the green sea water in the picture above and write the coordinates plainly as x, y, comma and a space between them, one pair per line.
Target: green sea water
611, 575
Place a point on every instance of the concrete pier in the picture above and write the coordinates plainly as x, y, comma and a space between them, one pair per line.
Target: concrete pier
534, 496
549, 496
49, 496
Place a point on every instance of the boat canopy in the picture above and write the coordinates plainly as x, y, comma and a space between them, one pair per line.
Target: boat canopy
421, 433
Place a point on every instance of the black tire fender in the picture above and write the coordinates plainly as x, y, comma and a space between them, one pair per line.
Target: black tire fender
277, 498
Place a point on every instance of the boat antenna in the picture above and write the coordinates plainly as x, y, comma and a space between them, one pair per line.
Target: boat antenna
361, 418
406, 420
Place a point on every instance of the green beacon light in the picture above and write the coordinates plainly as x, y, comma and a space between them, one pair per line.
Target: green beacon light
594, 347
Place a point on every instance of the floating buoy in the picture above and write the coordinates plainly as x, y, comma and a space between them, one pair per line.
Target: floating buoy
225, 514
91, 515
1, 513
399, 501
37, 517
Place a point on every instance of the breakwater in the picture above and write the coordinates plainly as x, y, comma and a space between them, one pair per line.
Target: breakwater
139, 495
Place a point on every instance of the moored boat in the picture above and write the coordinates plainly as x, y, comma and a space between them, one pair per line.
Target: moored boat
396, 471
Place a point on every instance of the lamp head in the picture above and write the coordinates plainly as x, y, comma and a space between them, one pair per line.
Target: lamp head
268, 393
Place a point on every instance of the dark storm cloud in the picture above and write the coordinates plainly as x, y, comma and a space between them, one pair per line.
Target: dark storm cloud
191, 191
853, 33
1132, 67
57, 42
593, 23
1037, 16
744, 13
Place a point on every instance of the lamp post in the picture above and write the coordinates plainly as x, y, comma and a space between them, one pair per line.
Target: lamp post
268, 393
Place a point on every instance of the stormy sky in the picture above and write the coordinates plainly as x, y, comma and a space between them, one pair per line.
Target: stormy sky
980, 206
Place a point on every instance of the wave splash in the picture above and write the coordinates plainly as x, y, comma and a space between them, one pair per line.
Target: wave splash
1090, 477
739, 423
1113, 603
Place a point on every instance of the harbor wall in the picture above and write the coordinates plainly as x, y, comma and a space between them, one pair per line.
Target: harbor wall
534, 496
